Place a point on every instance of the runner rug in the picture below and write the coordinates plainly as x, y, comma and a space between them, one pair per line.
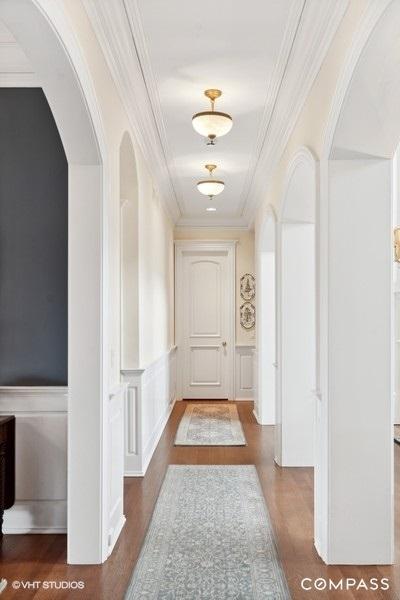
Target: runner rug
210, 537
210, 425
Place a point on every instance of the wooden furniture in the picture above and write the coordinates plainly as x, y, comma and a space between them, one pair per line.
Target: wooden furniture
7, 465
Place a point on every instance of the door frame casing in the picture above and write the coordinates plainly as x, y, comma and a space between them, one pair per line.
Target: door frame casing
182, 246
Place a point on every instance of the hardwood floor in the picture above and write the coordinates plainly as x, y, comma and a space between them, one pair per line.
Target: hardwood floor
289, 496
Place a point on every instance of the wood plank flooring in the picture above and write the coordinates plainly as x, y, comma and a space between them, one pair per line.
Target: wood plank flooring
289, 496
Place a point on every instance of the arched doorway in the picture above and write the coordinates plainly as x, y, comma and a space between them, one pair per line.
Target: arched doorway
43, 32
296, 315
266, 322
354, 471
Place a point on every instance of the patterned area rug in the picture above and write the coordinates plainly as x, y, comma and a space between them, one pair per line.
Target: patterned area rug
210, 425
210, 538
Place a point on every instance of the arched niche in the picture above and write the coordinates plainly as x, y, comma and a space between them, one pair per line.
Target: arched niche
266, 321
294, 440
43, 32
354, 469
129, 255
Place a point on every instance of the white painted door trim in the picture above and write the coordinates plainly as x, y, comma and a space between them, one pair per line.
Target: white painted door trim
229, 246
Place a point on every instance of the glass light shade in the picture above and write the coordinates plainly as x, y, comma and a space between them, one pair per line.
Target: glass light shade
210, 187
212, 123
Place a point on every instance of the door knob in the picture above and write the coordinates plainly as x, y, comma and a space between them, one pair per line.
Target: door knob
224, 344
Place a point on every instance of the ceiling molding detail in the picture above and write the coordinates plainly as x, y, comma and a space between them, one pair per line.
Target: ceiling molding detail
220, 222
318, 25
309, 31
109, 20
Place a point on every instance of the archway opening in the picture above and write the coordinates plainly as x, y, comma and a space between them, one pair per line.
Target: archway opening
354, 520
43, 32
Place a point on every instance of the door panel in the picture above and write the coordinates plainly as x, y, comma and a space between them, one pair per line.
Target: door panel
205, 365
205, 296
205, 322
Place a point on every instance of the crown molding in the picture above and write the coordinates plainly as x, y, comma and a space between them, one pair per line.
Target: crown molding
109, 21
210, 223
308, 34
272, 95
318, 25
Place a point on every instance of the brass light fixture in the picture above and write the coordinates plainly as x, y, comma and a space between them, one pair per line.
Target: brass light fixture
210, 187
211, 123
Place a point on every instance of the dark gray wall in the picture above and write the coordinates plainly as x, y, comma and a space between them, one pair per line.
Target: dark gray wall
33, 242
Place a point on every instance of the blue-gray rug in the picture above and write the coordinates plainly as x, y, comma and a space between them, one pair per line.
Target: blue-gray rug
210, 538
206, 424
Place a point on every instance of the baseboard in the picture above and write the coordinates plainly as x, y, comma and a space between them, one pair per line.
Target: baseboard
260, 422
138, 473
115, 534
244, 400
34, 530
36, 516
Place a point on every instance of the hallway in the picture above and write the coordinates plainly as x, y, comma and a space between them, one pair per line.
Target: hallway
289, 496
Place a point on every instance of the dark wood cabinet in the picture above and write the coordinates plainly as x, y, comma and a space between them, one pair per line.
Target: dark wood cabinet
7, 465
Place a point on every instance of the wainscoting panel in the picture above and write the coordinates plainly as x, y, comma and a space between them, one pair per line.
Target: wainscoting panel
149, 401
41, 458
244, 386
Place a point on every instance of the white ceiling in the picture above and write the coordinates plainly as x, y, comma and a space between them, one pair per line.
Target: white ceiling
187, 47
263, 54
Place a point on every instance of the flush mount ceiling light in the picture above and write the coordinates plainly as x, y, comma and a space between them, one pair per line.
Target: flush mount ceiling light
211, 123
210, 187
211, 209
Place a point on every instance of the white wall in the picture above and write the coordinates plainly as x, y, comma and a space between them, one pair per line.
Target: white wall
156, 276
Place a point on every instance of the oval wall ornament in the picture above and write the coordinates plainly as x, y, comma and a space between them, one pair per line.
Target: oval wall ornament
247, 315
247, 286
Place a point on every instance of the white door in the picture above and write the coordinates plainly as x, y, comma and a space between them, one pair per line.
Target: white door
205, 319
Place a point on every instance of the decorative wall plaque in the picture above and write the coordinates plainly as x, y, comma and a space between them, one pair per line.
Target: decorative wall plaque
247, 287
247, 315
396, 234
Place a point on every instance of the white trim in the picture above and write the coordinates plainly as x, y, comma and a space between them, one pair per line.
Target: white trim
109, 21
212, 221
26, 390
303, 156
36, 516
305, 62
245, 346
373, 11
114, 535
19, 80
